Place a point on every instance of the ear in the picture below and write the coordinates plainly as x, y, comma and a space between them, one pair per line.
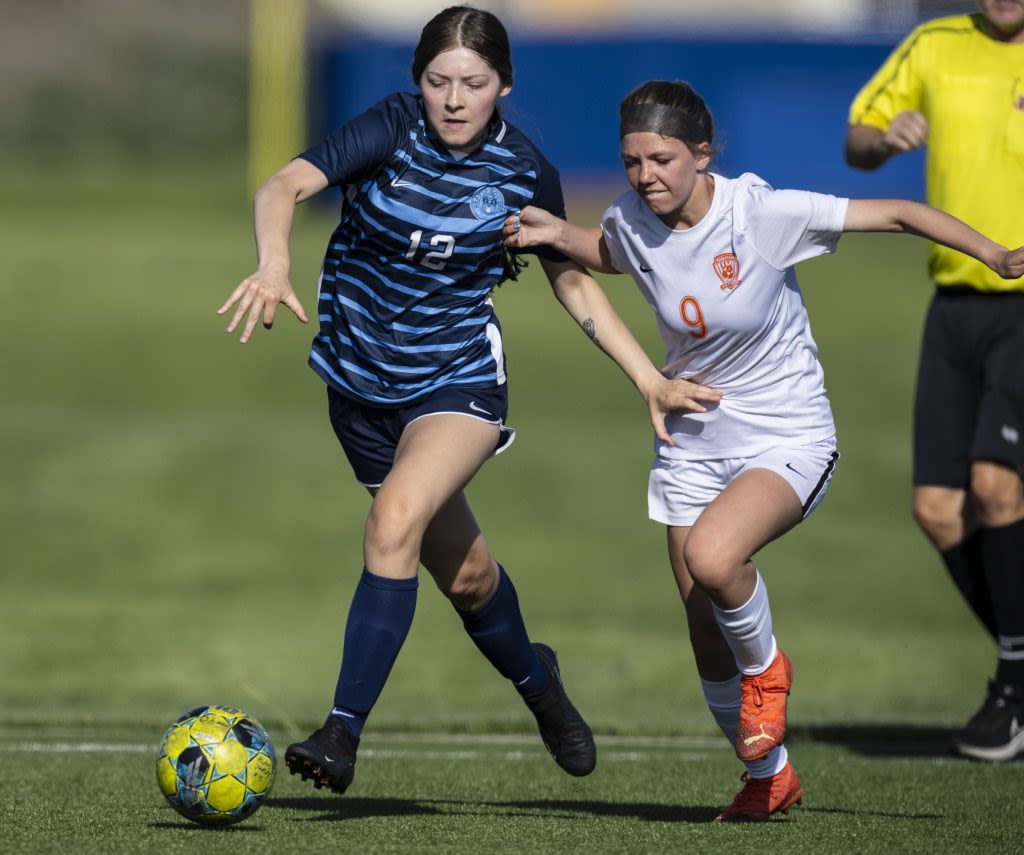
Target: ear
504, 90
702, 155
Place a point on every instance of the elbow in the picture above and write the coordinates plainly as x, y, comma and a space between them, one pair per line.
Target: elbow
858, 160
277, 186
266, 189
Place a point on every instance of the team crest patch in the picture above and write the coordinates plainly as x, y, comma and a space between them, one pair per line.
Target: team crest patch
487, 203
727, 266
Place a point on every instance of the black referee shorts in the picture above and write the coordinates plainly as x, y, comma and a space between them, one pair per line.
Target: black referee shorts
970, 386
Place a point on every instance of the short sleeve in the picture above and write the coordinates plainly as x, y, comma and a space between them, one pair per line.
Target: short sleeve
549, 197
896, 87
361, 145
610, 230
790, 226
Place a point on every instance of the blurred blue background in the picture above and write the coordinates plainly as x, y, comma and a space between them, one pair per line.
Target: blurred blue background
780, 103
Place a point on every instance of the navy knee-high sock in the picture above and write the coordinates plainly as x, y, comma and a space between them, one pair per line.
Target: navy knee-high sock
498, 630
1002, 550
378, 622
964, 564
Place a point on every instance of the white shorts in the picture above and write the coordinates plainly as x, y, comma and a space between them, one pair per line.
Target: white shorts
678, 490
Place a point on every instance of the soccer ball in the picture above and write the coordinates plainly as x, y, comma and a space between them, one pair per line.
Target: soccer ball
216, 765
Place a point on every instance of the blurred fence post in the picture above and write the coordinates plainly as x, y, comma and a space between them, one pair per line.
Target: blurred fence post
277, 85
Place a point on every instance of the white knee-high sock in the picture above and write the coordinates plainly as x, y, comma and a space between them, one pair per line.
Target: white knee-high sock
748, 631
723, 700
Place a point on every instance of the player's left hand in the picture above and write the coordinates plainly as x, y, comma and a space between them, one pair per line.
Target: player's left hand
1011, 264
677, 394
531, 227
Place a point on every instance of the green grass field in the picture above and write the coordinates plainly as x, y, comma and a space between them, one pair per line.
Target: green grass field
180, 527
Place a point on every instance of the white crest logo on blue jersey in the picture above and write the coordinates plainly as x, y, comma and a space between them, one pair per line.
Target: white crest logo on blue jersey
487, 203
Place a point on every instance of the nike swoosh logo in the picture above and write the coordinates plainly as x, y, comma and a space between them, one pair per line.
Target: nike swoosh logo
397, 182
645, 269
473, 406
791, 467
1015, 728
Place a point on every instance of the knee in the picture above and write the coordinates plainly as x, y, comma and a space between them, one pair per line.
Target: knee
997, 492
392, 526
473, 584
941, 521
709, 564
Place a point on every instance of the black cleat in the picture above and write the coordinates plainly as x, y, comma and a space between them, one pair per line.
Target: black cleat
566, 735
327, 757
996, 731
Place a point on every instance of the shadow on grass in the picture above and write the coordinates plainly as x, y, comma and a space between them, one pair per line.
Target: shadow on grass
185, 825
363, 808
882, 740
930, 817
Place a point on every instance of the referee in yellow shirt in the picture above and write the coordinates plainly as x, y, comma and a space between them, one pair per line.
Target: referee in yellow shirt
957, 85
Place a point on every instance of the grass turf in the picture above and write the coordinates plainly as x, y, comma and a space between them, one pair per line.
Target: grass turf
486, 795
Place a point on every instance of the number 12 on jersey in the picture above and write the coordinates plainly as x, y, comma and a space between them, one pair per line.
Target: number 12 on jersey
437, 259
693, 317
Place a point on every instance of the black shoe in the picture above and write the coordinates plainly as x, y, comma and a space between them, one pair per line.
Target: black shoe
996, 731
328, 757
566, 735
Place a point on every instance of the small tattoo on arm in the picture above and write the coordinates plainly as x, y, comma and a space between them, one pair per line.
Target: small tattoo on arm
588, 328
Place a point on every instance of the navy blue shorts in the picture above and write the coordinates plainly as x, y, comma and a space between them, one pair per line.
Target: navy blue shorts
369, 435
970, 386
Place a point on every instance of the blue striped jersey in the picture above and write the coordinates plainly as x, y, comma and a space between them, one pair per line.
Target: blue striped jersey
404, 295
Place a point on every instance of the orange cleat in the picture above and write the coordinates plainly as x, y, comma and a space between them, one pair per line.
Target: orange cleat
763, 709
761, 797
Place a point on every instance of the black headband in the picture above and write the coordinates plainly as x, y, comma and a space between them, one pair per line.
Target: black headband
661, 119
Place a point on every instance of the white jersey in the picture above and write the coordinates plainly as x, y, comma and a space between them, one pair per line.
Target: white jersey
731, 314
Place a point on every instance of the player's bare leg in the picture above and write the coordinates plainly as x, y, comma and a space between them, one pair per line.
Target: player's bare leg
436, 457
770, 784
456, 554
757, 507
714, 659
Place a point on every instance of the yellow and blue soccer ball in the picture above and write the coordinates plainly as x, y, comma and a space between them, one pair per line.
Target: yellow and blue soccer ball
216, 765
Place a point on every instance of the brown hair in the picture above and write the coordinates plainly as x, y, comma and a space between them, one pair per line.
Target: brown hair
668, 107
464, 26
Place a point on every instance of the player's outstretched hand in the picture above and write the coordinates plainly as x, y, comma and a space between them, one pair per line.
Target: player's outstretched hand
260, 294
908, 131
531, 227
1011, 264
678, 394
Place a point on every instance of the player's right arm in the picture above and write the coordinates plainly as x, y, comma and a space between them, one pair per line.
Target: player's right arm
533, 226
273, 212
348, 154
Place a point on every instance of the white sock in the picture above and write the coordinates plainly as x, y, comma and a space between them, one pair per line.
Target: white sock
748, 631
723, 700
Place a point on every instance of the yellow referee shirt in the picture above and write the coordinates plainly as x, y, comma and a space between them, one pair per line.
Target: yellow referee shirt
970, 88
